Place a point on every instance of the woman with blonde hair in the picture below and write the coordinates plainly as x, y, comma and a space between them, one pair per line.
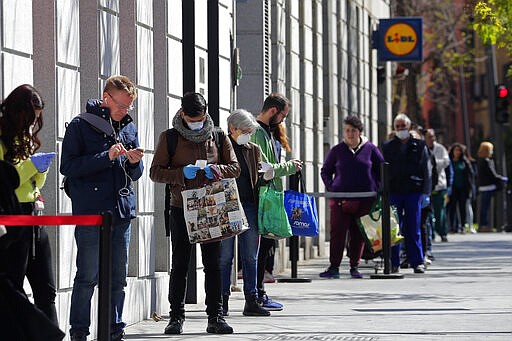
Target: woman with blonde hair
488, 183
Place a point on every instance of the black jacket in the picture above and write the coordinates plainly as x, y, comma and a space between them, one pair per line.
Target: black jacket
410, 169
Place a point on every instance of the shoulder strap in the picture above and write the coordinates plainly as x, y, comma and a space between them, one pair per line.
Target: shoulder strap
97, 122
218, 137
172, 141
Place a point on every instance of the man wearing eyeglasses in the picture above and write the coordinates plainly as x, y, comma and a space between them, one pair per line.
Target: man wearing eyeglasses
100, 167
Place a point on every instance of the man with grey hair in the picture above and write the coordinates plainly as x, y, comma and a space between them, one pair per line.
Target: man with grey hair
410, 178
241, 125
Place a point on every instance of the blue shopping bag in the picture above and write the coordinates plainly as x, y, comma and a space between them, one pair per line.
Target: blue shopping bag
301, 211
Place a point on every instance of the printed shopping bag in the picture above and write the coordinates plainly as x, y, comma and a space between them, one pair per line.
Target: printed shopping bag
301, 210
371, 226
214, 212
272, 219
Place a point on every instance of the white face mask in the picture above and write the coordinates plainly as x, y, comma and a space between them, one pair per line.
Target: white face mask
402, 134
243, 139
195, 126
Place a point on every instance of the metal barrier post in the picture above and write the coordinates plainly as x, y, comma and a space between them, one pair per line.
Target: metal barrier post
294, 244
105, 277
386, 225
386, 228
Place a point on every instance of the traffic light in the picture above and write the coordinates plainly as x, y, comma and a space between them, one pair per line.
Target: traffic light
502, 104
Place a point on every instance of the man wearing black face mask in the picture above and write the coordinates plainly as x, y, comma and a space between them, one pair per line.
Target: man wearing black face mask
195, 142
275, 110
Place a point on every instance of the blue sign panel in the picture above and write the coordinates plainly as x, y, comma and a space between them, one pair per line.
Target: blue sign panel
400, 39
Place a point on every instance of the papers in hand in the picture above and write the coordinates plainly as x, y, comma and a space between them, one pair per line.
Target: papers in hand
267, 170
201, 163
264, 167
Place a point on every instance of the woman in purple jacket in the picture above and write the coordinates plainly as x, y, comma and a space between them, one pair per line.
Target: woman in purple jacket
351, 166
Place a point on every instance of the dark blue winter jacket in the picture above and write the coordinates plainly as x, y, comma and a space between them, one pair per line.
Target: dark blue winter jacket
95, 182
410, 168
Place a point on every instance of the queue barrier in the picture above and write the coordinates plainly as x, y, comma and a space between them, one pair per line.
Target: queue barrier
104, 221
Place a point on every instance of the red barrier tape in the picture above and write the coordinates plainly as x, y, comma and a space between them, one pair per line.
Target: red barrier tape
28, 220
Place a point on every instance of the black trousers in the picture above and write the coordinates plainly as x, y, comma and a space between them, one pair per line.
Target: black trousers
181, 251
18, 261
266, 248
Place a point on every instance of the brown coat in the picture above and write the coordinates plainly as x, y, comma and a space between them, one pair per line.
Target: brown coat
252, 156
170, 171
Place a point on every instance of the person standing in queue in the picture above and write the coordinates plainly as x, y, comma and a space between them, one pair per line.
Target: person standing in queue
351, 166
241, 125
100, 169
195, 142
410, 179
275, 110
29, 252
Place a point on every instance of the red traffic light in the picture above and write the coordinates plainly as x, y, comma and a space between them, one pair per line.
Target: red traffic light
502, 91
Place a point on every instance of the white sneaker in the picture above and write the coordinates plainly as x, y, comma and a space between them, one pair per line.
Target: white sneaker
427, 261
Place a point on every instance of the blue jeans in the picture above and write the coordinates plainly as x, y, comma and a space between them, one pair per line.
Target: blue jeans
86, 278
485, 204
248, 242
408, 207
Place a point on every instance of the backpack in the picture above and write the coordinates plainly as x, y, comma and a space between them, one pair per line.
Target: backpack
172, 141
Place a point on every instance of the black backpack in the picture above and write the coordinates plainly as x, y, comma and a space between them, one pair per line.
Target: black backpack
172, 141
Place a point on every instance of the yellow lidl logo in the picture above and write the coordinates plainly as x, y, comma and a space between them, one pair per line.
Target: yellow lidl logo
400, 39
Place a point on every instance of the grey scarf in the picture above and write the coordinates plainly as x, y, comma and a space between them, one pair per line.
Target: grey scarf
195, 136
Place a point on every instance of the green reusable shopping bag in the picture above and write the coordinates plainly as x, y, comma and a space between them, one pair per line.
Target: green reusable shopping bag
272, 219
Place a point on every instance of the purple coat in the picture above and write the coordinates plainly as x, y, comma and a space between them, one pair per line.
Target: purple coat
346, 171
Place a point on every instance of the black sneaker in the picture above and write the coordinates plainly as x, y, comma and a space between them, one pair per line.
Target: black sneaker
331, 272
175, 326
354, 272
78, 337
217, 325
252, 308
118, 337
419, 269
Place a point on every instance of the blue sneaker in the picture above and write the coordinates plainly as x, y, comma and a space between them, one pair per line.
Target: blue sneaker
330, 273
268, 304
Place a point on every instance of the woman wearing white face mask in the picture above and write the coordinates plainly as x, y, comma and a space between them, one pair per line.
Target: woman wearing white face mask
241, 125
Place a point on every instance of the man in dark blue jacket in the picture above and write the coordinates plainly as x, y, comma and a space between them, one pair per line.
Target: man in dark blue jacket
100, 167
410, 177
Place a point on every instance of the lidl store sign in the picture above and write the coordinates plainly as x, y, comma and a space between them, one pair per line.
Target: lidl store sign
400, 39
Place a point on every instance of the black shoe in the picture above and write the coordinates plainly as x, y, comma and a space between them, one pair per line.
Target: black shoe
252, 308
444, 239
118, 337
217, 325
225, 305
175, 326
419, 269
78, 337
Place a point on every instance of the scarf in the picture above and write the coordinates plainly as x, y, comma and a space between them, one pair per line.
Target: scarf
195, 136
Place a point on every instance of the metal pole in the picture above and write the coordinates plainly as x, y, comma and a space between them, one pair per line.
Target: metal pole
105, 277
386, 226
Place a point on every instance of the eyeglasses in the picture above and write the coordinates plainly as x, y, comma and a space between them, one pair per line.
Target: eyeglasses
120, 105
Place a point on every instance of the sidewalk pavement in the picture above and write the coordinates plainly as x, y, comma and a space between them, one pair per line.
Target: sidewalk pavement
465, 294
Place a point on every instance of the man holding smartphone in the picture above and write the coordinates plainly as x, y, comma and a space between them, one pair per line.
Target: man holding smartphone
100, 169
